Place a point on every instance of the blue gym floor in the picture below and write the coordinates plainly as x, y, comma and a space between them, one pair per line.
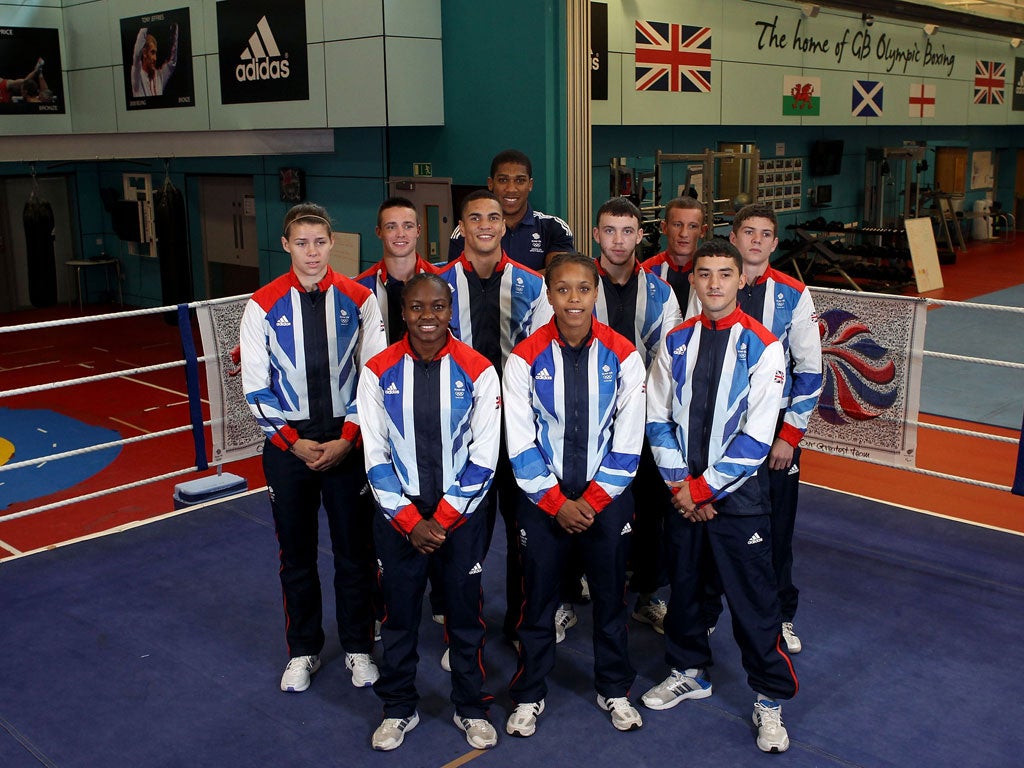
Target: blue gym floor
163, 646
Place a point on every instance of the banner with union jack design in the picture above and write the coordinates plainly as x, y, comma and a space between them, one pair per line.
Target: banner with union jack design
672, 57
989, 82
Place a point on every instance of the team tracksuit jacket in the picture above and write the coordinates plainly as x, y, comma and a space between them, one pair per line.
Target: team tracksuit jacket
654, 310
523, 303
389, 294
284, 376
461, 393
783, 305
665, 267
712, 401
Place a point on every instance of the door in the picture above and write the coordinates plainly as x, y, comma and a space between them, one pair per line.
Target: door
228, 223
433, 201
14, 193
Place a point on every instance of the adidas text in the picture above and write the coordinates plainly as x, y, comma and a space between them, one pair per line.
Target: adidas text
261, 59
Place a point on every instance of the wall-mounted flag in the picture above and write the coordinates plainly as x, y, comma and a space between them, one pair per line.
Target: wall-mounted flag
989, 82
672, 57
867, 98
922, 100
801, 95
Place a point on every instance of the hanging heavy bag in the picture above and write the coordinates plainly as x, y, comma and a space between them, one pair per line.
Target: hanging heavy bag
42, 271
172, 245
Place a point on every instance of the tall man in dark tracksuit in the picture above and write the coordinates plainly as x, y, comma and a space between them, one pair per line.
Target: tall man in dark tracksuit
531, 237
431, 409
713, 398
304, 337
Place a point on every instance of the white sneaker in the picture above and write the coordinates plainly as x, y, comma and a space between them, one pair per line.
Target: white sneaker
523, 720
376, 631
446, 660
677, 687
437, 617
391, 733
298, 672
624, 715
364, 671
565, 617
480, 734
652, 613
584, 589
771, 734
793, 644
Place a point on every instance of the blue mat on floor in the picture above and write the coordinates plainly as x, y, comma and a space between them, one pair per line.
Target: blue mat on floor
981, 393
163, 646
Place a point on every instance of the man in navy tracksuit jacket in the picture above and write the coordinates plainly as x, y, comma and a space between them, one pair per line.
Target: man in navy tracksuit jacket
713, 398
531, 237
304, 338
431, 413
574, 405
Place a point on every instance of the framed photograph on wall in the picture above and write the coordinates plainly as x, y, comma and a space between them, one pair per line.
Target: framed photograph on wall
31, 78
156, 50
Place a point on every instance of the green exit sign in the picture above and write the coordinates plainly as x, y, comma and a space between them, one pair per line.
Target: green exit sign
422, 169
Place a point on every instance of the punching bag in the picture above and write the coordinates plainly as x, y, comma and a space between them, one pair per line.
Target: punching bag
42, 272
172, 245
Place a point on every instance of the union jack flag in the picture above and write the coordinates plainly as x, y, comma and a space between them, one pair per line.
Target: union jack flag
672, 57
989, 82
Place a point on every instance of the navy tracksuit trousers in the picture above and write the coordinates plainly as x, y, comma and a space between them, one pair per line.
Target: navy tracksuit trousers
544, 548
736, 548
296, 493
458, 565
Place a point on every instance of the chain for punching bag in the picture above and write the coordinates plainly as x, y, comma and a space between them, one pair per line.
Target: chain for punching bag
38, 222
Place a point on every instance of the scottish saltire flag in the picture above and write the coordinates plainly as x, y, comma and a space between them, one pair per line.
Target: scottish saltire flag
672, 57
989, 82
922, 100
867, 98
801, 95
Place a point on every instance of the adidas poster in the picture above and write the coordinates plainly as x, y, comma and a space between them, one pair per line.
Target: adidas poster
262, 51
156, 50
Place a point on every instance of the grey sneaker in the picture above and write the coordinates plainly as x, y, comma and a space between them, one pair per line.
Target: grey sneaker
771, 734
364, 671
446, 660
480, 734
298, 673
523, 720
565, 617
652, 613
793, 644
624, 715
677, 687
391, 733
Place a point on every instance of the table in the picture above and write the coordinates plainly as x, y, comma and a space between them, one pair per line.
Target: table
84, 264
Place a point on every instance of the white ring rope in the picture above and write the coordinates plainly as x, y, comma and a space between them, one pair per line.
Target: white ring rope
101, 377
931, 473
116, 315
99, 447
965, 432
932, 302
979, 360
97, 494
